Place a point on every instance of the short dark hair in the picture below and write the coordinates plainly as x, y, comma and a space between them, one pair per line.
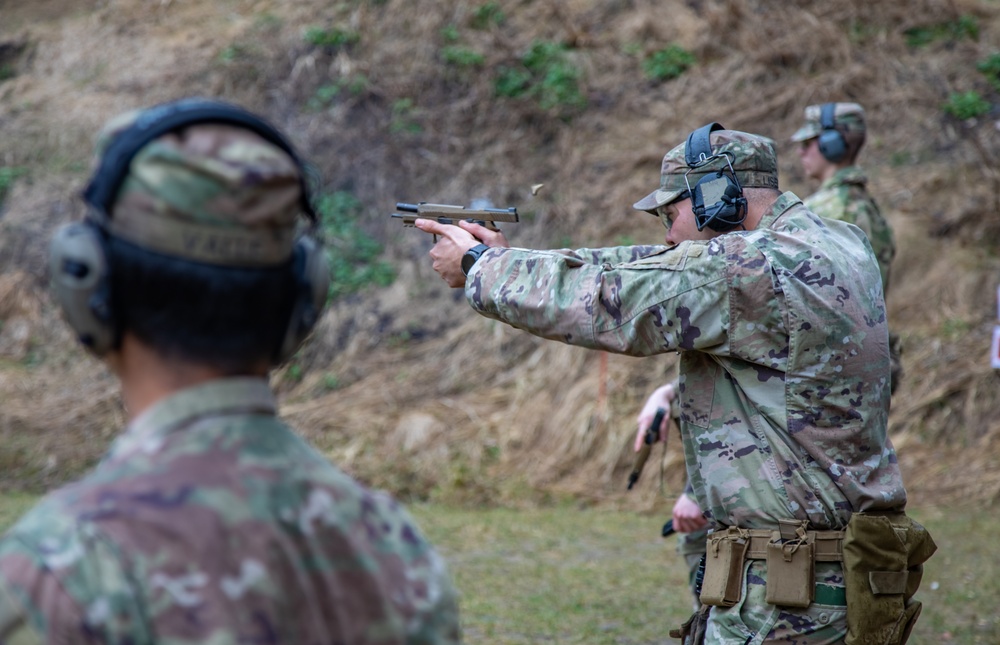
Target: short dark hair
225, 317
854, 141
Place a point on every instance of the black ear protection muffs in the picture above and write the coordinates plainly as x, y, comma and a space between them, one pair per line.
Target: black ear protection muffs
717, 199
78, 262
832, 144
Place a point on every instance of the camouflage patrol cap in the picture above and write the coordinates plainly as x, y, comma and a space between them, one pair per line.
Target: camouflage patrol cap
848, 117
753, 158
210, 192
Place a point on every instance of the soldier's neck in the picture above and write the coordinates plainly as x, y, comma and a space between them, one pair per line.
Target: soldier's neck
831, 169
148, 377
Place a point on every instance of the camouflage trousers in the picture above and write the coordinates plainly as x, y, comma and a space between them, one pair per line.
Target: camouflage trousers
753, 621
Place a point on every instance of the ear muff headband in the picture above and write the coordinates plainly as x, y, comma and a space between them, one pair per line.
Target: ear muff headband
727, 208
698, 148
162, 119
832, 144
78, 255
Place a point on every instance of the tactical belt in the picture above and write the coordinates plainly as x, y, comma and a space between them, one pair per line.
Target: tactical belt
829, 545
791, 553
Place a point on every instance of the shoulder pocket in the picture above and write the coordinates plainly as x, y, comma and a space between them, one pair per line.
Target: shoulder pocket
670, 259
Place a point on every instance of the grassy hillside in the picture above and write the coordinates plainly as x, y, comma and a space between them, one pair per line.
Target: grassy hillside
458, 101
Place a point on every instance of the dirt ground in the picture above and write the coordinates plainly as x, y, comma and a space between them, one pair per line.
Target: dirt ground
404, 386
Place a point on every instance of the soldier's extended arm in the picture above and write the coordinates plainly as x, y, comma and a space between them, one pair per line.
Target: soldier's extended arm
448, 214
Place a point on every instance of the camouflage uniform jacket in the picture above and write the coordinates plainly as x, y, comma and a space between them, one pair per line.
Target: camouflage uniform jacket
845, 197
784, 372
210, 521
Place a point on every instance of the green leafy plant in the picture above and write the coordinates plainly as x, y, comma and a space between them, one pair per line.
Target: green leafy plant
966, 105
6, 72
966, 26
512, 82
668, 63
449, 33
462, 56
330, 381
8, 174
403, 117
487, 15
990, 67
332, 37
325, 94
234, 52
547, 75
353, 255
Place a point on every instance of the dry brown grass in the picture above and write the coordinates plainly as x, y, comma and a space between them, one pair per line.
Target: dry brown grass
405, 387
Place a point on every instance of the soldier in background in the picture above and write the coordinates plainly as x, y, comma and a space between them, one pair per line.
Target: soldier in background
830, 141
687, 517
209, 520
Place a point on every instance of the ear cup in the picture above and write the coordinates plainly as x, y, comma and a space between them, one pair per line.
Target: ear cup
832, 144
78, 258
717, 199
725, 208
312, 280
78, 270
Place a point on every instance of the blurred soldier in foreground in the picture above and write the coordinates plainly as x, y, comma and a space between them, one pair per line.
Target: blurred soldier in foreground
830, 141
209, 520
783, 390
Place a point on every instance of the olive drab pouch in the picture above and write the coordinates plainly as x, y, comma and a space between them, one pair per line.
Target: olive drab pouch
723, 584
791, 572
883, 564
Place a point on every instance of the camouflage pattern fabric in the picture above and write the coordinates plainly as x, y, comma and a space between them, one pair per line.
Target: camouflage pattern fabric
212, 193
209, 521
753, 621
849, 118
784, 368
845, 197
753, 158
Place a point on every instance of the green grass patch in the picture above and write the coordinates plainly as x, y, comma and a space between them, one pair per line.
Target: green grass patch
990, 68
461, 56
566, 575
353, 255
324, 95
8, 175
330, 37
966, 105
13, 505
487, 15
563, 574
403, 119
449, 33
667, 63
965, 26
545, 74
560, 575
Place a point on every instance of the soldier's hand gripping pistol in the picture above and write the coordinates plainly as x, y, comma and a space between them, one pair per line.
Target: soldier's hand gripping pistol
651, 437
447, 214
